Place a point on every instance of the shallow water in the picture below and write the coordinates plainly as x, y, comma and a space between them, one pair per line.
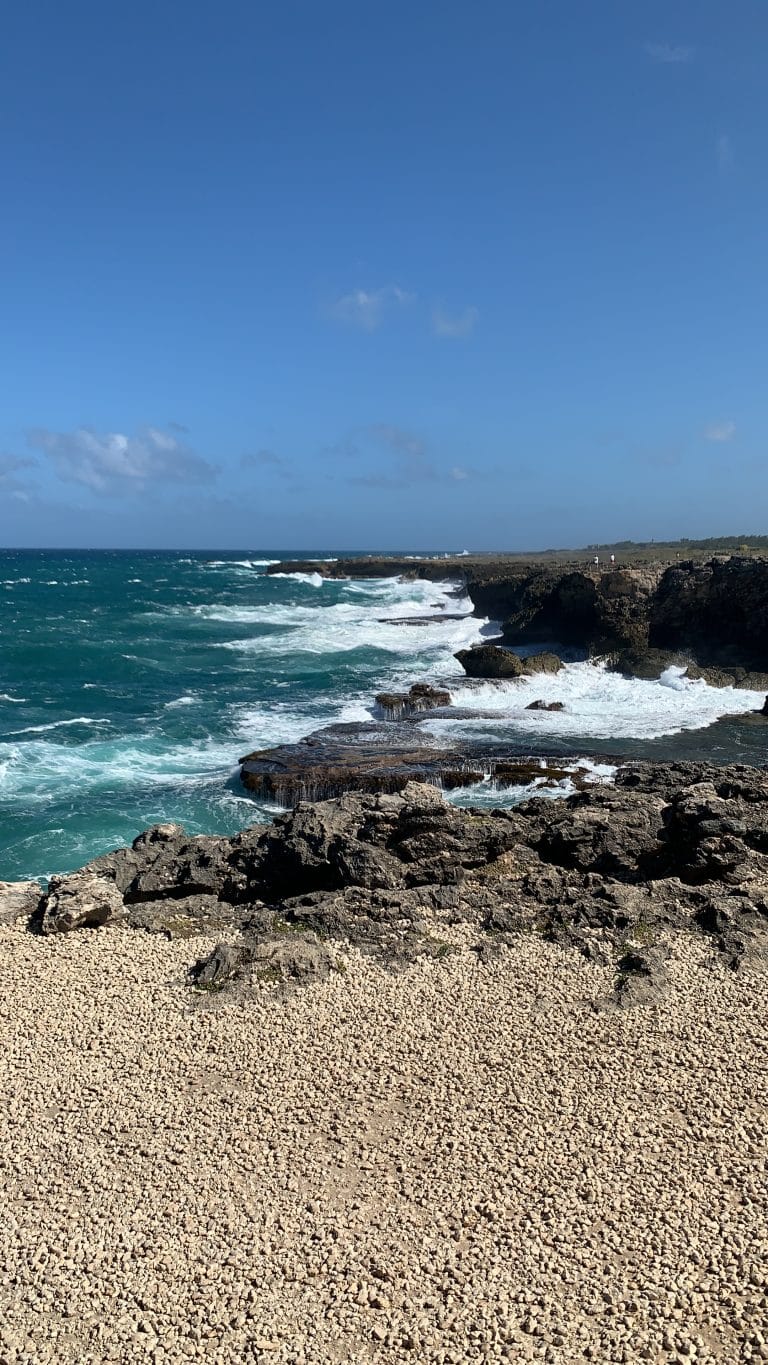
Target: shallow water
130, 683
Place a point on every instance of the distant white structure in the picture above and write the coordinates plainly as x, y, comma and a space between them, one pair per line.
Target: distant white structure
597, 559
613, 559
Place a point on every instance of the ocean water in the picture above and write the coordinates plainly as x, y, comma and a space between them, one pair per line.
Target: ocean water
131, 683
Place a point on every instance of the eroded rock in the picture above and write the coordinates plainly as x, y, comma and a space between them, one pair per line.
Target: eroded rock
81, 900
18, 900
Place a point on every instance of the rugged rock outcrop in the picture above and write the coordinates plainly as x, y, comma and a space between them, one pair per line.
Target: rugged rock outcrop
715, 612
607, 870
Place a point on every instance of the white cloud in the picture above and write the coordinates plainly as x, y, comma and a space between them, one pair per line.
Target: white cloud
458, 473
720, 431
365, 308
724, 152
668, 54
111, 461
457, 325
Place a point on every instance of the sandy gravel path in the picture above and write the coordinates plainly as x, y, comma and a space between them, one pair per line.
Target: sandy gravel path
465, 1162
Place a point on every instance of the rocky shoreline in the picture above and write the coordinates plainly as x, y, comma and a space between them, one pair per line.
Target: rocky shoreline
710, 618
608, 871
712, 613
404, 1081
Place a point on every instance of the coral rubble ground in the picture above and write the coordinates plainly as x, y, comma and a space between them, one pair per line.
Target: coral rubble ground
441, 1085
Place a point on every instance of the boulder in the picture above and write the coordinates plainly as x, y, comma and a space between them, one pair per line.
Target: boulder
18, 900
545, 662
493, 661
539, 705
490, 661
648, 664
79, 900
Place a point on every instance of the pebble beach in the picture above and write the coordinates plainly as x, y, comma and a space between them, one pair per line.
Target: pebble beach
462, 1161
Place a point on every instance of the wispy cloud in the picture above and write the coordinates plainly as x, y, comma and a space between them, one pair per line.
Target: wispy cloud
720, 431
724, 152
267, 460
402, 442
454, 325
667, 54
366, 308
261, 458
404, 457
401, 459
110, 462
10, 483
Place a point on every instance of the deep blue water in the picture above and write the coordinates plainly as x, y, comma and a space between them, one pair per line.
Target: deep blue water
130, 683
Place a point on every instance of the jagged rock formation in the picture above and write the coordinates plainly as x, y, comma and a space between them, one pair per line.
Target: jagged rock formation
718, 611
607, 870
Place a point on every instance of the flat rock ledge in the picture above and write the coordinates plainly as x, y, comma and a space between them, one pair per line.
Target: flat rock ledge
608, 871
366, 756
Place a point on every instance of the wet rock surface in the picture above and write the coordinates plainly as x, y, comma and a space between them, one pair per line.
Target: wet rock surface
420, 697
493, 661
606, 870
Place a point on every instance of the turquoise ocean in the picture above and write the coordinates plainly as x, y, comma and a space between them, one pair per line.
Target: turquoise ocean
131, 683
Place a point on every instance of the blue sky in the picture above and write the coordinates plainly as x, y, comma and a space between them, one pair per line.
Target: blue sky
486, 275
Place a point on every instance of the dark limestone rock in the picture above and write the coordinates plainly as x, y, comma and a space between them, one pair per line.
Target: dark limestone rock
608, 871
545, 662
648, 664
738, 677
493, 661
539, 705
490, 661
181, 867
286, 959
717, 610
601, 830
714, 677
221, 966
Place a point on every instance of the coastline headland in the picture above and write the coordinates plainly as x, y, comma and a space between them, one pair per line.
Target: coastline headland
715, 611
708, 616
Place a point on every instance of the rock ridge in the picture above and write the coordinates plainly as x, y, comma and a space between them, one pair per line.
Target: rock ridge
608, 870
